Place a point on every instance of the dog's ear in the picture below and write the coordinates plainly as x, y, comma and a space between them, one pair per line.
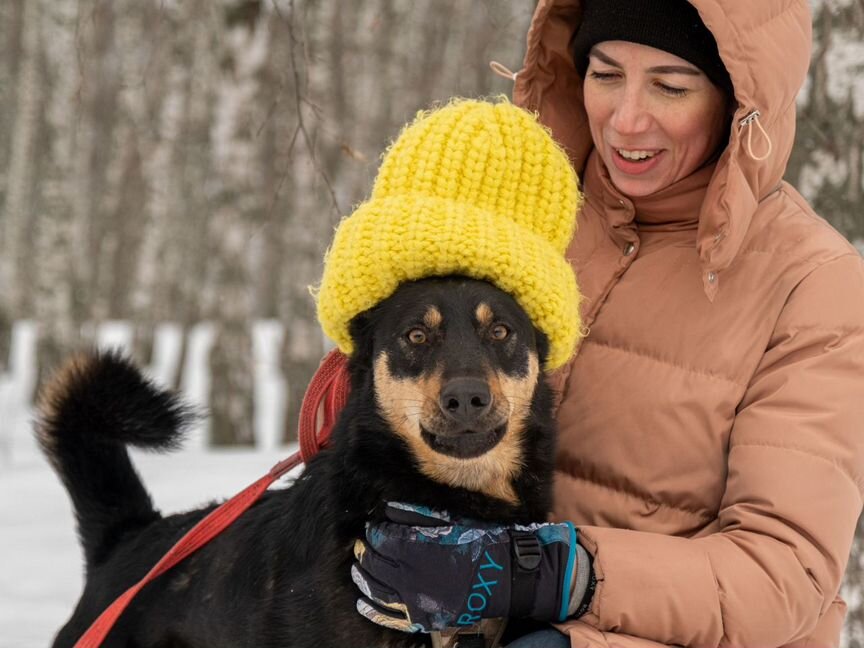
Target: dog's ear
542, 343
361, 329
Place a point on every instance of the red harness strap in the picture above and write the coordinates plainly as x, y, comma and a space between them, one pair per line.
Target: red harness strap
329, 386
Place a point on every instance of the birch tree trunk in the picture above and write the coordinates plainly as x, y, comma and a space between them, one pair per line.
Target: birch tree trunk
20, 177
56, 255
197, 164
159, 113
826, 161
21, 100
237, 210
303, 343
94, 118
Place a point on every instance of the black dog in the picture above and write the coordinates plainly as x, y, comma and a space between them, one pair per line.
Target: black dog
448, 409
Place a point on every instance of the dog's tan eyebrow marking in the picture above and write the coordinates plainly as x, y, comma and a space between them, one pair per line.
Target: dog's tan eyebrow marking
484, 314
433, 317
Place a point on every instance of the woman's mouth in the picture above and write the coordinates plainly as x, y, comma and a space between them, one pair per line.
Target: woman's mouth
636, 161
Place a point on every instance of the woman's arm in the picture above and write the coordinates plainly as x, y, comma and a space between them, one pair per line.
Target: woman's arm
793, 494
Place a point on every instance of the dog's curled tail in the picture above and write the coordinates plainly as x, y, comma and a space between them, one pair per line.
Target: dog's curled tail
87, 413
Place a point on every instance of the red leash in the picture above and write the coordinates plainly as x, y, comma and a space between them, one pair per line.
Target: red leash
329, 386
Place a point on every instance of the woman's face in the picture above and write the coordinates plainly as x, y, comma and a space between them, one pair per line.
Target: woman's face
654, 117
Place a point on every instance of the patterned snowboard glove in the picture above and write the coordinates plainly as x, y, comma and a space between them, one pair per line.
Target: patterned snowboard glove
421, 571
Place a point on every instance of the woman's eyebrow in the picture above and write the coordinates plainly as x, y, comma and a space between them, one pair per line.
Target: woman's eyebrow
674, 69
657, 69
608, 60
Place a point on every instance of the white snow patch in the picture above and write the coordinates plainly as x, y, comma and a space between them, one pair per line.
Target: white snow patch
167, 346
115, 335
270, 385
16, 390
195, 384
41, 574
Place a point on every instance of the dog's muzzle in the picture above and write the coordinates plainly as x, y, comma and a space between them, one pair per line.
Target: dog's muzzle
467, 426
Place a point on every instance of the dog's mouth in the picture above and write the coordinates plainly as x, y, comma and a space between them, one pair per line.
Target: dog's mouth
464, 444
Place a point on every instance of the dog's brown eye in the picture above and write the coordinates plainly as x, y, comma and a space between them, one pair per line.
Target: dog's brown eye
417, 336
499, 332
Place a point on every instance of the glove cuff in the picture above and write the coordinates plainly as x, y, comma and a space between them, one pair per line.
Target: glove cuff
542, 571
583, 586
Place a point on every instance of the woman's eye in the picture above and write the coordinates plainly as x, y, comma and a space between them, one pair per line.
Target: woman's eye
671, 91
499, 332
417, 336
602, 76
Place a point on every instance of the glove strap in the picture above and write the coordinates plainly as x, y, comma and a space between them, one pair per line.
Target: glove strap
550, 566
527, 556
585, 603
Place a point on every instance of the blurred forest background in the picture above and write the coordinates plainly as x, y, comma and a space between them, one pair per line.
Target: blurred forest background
186, 161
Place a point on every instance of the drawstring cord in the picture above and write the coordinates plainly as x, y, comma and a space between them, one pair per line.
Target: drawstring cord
502, 70
747, 122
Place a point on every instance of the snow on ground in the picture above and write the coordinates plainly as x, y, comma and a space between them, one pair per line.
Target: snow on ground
40, 558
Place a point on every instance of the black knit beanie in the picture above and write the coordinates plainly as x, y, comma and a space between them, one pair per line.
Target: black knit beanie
673, 26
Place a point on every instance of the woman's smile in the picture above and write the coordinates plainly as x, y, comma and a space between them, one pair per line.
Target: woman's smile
654, 117
635, 161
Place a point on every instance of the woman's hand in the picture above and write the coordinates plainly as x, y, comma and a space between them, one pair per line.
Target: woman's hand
421, 571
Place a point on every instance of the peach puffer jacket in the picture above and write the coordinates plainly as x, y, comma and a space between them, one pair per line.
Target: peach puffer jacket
712, 450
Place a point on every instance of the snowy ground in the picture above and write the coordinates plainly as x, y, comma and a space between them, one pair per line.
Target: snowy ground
40, 559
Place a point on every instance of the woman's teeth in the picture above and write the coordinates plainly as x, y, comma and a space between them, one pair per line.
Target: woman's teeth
635, 155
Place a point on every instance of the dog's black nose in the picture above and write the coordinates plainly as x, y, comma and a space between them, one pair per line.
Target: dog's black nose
465, 400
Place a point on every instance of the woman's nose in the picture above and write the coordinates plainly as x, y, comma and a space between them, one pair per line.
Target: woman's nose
631, 114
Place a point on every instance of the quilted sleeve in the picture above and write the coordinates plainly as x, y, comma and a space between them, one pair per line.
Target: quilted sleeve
793, 494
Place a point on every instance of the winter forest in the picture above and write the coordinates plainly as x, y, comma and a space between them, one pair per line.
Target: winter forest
179, 166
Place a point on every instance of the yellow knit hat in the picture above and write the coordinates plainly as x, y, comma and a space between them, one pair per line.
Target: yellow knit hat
474, 188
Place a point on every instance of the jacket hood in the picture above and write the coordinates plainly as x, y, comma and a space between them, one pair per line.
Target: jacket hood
765, 45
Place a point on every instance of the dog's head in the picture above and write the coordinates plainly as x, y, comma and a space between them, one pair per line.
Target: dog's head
455, 364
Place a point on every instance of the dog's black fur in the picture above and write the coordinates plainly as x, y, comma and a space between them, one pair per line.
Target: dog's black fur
280, 576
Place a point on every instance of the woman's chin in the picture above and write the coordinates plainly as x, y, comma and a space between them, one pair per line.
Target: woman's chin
637, 187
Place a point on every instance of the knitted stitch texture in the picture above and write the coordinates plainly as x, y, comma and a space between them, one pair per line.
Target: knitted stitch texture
473, 188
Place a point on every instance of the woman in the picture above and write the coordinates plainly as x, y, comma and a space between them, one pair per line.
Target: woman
710, 422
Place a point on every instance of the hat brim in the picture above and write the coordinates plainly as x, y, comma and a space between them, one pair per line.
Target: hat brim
408, 238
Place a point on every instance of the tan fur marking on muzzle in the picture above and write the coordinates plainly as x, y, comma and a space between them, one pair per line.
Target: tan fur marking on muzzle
405, 403
516, 395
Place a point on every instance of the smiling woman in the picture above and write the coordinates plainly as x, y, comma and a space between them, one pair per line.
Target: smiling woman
656, 92
725, 356
709, 448
654, 118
